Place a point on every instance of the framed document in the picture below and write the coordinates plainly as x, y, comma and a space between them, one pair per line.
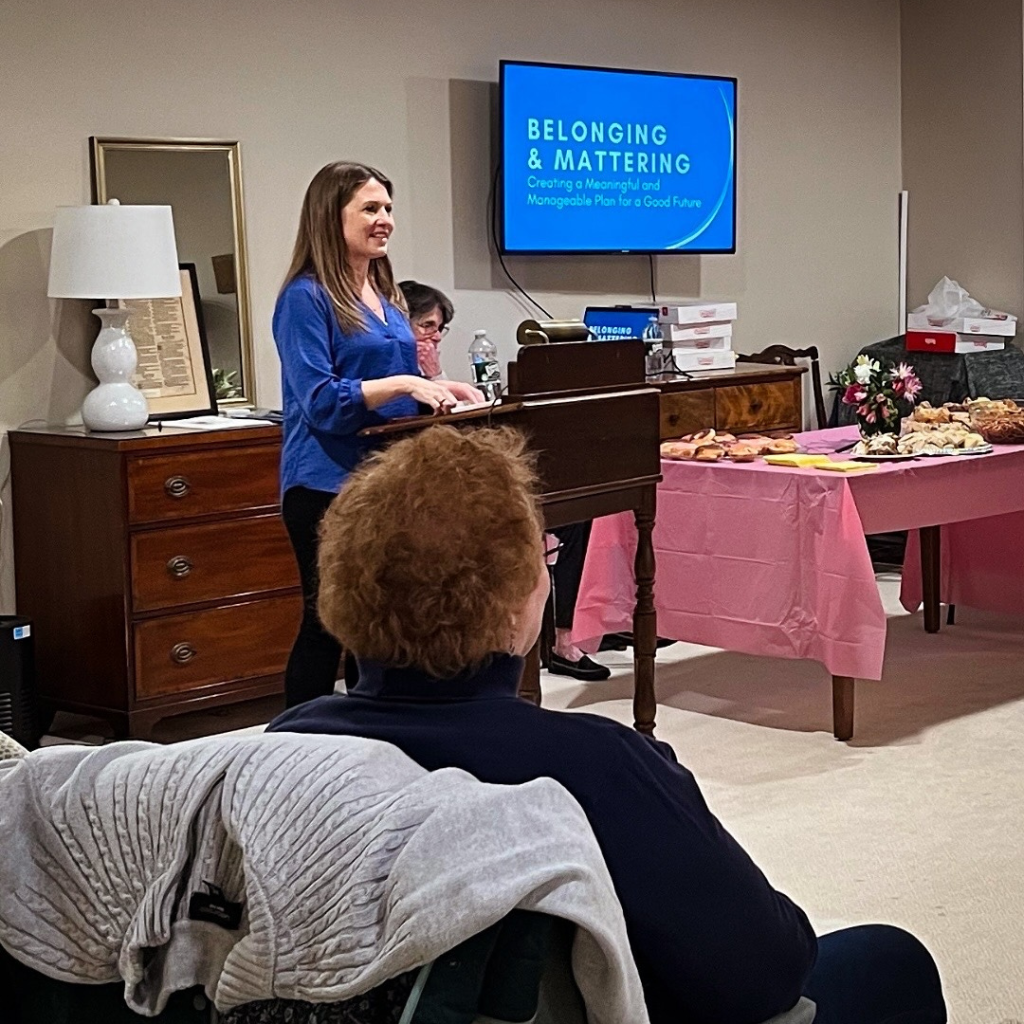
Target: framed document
174, 371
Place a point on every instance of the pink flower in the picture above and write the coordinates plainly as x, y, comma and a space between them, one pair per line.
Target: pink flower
884, 412
881, 399
908, 383
854, 394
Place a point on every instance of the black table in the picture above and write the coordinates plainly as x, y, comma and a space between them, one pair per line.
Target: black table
949, 377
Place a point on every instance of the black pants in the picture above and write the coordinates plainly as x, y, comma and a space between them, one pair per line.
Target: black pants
313, 664
567, 572
875, 974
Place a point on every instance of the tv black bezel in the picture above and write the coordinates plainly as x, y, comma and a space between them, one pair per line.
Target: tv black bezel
499, 197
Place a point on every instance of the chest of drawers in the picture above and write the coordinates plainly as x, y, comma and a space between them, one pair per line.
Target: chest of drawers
752, 398
155, 568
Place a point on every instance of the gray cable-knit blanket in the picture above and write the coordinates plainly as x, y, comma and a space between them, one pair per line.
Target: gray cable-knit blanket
347, 863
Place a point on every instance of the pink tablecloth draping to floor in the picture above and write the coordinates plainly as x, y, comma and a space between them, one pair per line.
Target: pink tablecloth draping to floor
771, 560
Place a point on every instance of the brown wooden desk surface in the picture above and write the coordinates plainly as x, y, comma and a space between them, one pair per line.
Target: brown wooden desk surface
752, 397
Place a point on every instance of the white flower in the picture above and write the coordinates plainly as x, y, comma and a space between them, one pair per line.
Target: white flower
862, 371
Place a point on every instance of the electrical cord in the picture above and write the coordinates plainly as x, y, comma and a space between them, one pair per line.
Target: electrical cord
650, 259
492, 202
494, 402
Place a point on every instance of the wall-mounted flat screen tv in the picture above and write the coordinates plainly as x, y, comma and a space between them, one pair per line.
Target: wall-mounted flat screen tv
600, 160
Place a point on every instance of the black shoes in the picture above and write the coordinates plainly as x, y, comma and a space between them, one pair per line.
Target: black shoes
586, 668
620, 641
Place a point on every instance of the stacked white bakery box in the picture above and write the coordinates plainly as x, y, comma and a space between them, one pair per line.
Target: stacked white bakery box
952, 321
986, 332
699, 335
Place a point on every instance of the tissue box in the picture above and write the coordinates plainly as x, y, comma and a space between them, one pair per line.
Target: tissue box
1004, 326
689, 360
696, 313
701, 336
950, 341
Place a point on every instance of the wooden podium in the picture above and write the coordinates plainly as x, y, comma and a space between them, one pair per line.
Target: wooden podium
595, 427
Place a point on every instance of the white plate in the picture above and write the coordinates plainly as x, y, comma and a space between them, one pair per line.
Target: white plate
982, 449
883, 458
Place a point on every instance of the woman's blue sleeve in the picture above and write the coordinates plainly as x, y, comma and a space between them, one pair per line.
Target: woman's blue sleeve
329, 403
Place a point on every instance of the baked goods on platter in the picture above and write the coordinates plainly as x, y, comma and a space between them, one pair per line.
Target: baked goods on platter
921, 438
712, 446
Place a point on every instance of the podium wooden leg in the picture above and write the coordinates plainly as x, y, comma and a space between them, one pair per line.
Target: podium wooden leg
931, 556
842, 707
529, 684
645, 620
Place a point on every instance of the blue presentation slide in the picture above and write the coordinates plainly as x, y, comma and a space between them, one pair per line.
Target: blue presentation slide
617, 161
617, 324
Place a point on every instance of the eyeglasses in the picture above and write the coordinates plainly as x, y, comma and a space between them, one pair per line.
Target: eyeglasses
429, 327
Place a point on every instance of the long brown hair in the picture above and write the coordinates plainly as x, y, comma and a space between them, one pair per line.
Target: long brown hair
320, 249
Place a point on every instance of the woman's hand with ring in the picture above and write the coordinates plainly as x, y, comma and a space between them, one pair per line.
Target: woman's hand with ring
435, 394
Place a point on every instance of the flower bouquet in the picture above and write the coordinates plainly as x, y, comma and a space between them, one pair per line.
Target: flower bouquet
880, 393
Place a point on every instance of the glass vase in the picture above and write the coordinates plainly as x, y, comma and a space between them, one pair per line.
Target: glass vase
889, 423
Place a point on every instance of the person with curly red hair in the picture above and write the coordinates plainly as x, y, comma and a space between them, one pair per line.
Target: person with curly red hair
432, 572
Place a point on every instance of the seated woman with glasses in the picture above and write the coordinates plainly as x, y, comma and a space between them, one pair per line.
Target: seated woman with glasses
430, 313
439, 613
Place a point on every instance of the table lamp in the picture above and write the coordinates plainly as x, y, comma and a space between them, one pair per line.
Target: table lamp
114, 252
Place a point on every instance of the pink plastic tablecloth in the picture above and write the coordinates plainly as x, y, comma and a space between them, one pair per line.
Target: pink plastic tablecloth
771, 560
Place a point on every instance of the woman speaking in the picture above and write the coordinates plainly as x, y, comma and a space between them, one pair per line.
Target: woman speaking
348, 361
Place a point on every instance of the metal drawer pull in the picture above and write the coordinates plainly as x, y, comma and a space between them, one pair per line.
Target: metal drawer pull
182, 654
177, 486
179, 567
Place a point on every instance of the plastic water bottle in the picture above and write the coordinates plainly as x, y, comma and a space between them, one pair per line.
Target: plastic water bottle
483, 361
654, 344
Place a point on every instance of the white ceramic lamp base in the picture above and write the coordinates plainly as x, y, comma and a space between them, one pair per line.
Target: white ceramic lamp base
115, 403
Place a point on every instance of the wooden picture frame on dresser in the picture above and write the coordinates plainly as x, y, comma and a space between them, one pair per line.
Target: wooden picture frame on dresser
155, 567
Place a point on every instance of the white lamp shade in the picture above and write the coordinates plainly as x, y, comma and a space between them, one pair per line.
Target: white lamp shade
114, 252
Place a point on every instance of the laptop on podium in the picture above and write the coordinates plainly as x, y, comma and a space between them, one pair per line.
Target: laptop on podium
617, 323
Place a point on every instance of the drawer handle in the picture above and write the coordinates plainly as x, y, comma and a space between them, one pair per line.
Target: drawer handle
177, 486
182, 654
179, 567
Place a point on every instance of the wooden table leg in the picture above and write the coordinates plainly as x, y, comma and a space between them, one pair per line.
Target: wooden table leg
931, 538
529, 684
842, 707
645, 620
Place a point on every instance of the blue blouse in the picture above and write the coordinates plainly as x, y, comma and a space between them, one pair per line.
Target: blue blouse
322, 372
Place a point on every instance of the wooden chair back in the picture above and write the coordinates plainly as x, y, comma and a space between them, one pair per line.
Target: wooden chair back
783, 355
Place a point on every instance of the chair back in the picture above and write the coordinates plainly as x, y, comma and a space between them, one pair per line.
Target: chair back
783, 355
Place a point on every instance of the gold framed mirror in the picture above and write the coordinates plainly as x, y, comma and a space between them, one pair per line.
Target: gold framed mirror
201, 180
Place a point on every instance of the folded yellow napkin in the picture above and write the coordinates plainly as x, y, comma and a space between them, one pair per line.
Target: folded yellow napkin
796, 459
847, 467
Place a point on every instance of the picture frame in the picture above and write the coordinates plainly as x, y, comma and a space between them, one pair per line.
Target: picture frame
174, 371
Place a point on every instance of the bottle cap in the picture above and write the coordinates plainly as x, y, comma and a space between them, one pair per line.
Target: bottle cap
479, 334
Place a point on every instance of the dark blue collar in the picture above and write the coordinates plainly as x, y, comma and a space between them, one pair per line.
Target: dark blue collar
498, 677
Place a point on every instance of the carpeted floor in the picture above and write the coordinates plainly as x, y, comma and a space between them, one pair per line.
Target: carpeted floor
918, 821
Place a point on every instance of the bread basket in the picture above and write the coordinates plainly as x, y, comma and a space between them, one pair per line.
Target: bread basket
999, 421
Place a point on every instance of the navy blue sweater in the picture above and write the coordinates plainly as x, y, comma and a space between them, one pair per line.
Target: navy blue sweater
713, 941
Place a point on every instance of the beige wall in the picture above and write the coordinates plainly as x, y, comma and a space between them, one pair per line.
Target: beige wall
963, 152
400, 85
